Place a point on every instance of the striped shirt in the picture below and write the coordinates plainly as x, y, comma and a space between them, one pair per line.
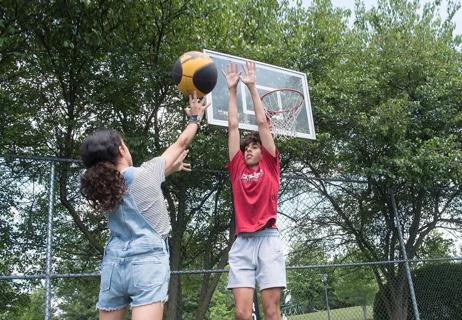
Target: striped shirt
148, 197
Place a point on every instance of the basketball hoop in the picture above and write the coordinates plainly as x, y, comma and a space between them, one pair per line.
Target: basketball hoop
282, 107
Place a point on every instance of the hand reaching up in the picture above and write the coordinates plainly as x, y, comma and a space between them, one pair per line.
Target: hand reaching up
232, 76
249, 76
196, 107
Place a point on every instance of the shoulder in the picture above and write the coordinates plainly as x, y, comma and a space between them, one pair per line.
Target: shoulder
154, 163
266, 155
152, 171
236, 161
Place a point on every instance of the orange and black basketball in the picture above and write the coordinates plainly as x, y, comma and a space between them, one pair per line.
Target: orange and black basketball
195, 70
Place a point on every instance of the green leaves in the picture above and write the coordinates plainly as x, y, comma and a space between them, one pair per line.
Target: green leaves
386, 93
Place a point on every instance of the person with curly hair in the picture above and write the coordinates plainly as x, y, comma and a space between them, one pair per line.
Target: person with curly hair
135, 269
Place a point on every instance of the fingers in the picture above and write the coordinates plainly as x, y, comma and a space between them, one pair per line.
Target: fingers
231, 68
244, 69
250, 65
197, 106
186, 167
250, 70
181, 166
183, 155
193, 99
203, 102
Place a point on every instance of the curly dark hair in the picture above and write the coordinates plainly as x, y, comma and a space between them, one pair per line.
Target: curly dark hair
250, 138
102, 184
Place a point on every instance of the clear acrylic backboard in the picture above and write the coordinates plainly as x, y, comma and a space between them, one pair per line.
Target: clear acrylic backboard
269, 78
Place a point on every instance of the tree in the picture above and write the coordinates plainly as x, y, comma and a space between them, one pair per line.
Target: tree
36, 309
97, 63
436, 246
386, 98
355, 286
222, 304
304, 285
390, 114
437, 290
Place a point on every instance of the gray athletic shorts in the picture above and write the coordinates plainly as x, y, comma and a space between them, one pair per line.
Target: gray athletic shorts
257, 256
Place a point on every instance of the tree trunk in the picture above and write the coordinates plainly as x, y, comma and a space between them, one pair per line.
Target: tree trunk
63, 197
396, 306
365, 312
209, 284
210, 281
174, 307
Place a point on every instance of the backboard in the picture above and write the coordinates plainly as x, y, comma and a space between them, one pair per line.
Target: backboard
269, 78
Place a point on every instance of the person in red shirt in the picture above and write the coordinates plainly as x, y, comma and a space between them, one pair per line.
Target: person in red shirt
257, 252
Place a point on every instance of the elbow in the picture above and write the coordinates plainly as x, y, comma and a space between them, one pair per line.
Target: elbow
261, 122
233, 125
182, 143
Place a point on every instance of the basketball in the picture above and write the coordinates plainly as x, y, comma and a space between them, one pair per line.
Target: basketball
195, 70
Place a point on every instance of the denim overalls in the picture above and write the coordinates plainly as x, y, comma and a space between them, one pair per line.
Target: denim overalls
135, 268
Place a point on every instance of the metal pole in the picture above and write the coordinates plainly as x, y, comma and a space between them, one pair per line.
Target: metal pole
324, 282
365, 308
255, 310
406, 261
49, 240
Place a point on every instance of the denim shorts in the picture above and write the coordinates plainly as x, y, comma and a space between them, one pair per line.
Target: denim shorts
257, 257
135, 277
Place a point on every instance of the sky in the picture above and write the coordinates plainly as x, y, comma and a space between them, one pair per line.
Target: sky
350, 4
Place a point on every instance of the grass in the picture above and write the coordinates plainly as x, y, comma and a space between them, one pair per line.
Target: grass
351, 313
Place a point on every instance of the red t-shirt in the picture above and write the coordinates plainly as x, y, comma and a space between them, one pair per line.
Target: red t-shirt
255, 192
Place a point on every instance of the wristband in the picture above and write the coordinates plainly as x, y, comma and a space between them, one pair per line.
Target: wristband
195, 119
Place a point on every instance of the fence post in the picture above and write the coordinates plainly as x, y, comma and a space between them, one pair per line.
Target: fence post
255, 310
49, 240
324, 282
406, 261
364, 306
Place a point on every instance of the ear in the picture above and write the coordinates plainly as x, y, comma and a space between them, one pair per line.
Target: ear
122, 151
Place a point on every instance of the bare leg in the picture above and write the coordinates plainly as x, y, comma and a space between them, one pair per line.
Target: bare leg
271, 303
152, 311
112, 315
243, 299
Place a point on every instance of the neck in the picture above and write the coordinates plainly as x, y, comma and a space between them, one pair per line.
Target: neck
122, 165
253, 166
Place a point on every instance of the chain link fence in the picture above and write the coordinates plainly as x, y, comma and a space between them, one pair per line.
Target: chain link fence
51, 247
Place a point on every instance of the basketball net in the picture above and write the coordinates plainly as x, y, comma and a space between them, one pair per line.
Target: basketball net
282, 107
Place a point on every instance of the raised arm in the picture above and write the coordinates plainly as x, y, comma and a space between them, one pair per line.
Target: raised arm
249, 78
195, 113
232, 79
